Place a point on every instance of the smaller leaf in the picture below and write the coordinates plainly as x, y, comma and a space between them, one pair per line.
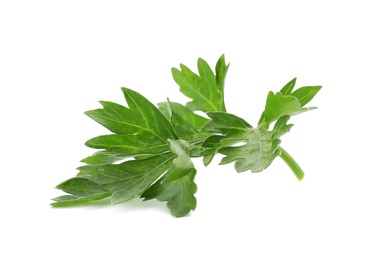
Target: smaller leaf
68, 200
65, 198
186, 123
220, 73
188, 115
224, 120
103, 157
278, 105
255, 154
143, 142
210, 147
150, 118
288, 88
117, 118
206, 89
306, 94
281, 127
182, 163
221, 69
179, 194
177, 186
81, 187
250, 148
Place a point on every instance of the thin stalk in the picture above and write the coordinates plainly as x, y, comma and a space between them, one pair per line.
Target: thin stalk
293, 165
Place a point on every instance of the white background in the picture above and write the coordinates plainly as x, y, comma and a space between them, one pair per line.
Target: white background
58, 58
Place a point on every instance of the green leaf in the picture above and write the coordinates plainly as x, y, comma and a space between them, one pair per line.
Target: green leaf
129, 179
182, 163
221, 72
249, 148
143, 142
65, 198
233, 129
81, 187
140, 129
103, 157
116, 118
178, 194
278, 105
210, 147
177, 186
82, 190
150, 118
255, 154
288, 88
306, 94
68, 200
223, 120
185, 122
281, 127
180, 112
141, 116
206, 89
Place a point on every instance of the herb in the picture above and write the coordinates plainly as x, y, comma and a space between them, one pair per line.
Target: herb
148, 154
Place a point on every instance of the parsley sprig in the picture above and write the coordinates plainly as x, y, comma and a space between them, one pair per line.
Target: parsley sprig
148, 154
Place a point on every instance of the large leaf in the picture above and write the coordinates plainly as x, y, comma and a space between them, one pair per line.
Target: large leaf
138, 177
206, 89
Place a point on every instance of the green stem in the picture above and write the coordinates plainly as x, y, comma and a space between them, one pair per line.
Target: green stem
293, 165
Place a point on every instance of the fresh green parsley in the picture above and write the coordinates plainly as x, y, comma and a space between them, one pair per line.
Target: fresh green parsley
149, 153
